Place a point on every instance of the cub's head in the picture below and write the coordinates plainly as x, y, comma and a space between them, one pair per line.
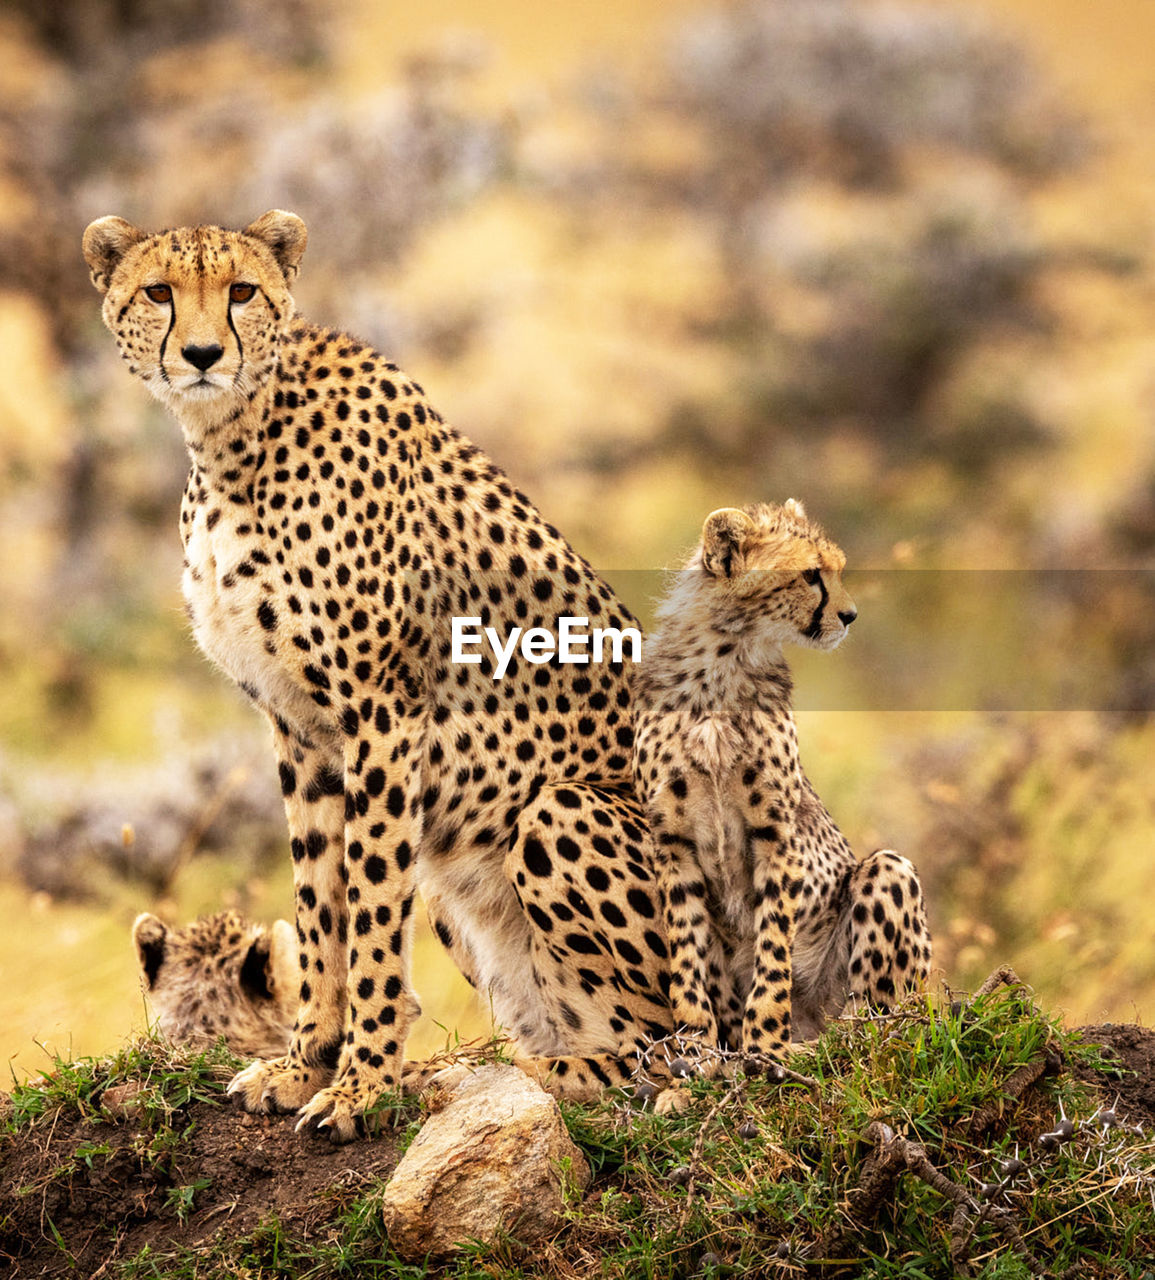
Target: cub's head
221, 976
198, 312
770, 573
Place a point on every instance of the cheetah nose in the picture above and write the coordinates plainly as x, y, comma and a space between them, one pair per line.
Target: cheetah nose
847, 616
203, 358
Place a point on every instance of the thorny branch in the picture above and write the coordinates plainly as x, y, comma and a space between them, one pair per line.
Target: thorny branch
677, 1057
1017, 1083
1022, 1078
1003, 976
891, 1158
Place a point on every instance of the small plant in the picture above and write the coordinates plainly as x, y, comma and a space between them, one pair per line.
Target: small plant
88, 1152
180, 1199
159, 1146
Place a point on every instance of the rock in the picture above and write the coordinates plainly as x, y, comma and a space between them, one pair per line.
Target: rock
490, 1162
123, 1101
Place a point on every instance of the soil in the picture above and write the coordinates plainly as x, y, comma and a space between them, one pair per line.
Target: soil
1130, 1086
65, 1211
124, 1201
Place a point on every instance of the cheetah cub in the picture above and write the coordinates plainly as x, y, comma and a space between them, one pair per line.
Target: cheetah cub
221, 976
772, 921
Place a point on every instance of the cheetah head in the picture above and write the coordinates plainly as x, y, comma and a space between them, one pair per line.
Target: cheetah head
221, 976
198, 312
773, 576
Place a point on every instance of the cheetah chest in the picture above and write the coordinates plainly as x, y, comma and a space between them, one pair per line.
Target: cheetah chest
742, 770
723, 853
229, 604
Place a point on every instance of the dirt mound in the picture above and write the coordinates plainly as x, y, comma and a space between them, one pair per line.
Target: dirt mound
77, 1194
1132, 1081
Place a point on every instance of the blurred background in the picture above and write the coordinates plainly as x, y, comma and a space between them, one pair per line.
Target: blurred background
655, 256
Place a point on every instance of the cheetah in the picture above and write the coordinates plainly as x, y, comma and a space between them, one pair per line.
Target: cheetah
333, 526
772, 923
221, 977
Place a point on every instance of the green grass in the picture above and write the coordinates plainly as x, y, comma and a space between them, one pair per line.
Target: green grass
752, 1176
164, 1079
691, 1194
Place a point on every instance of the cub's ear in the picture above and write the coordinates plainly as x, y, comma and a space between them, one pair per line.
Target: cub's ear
724, 538
285, 234
257, 971
148, 936
794, 508
106, 241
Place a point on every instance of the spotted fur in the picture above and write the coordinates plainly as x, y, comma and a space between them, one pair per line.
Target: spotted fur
221, 977
332, 525
772, 923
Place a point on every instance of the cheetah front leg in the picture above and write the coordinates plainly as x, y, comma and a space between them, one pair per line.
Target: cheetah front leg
314, 794
688, 927
777, 867
383, 774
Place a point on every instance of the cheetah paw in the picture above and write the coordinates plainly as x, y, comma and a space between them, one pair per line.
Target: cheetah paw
672, 1101
337, 1112
440, 1079
277, 1085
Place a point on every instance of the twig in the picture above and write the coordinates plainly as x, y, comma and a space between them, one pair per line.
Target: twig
1003, 976
732, 1094
891, 1157
778, 1073
1016, 1084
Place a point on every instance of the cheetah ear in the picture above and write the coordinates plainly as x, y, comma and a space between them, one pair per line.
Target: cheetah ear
285, 234
148, 935
256, 971
105, 243
724, 541
794, 508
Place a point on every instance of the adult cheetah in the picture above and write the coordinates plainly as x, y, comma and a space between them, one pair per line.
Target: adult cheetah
771, 921
333, 525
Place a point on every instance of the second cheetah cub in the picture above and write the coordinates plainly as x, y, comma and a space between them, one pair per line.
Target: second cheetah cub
772, 921
221, 976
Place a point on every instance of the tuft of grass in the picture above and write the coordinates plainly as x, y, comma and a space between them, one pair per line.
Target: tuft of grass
180, 1199
162, 1077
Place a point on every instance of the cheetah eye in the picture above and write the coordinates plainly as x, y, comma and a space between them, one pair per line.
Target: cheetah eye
810, 575
241, 292
159, 292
